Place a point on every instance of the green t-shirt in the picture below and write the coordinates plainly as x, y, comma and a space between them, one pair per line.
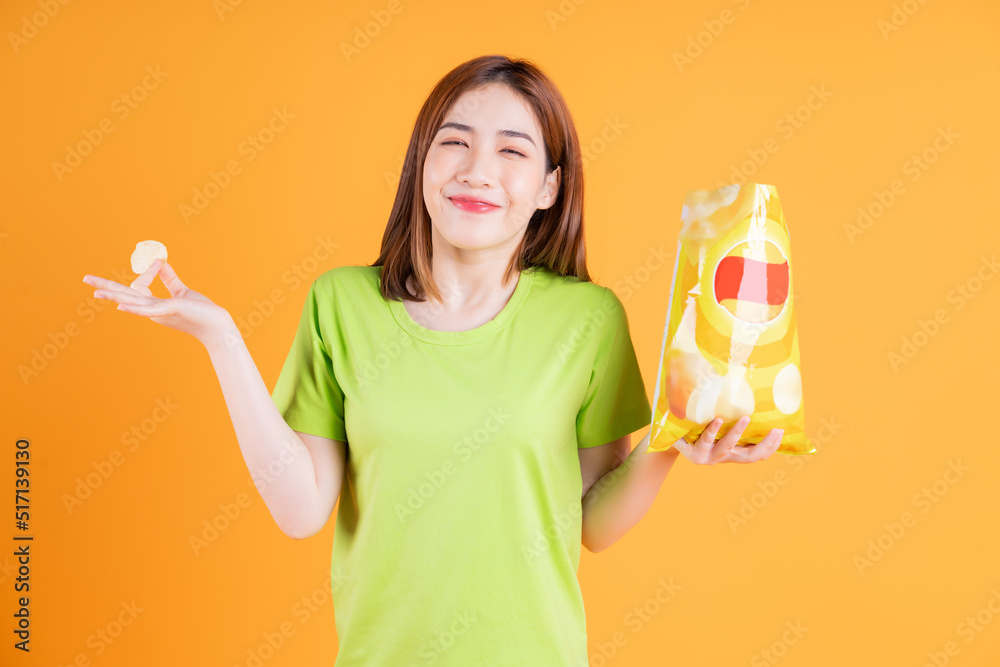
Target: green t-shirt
458, 534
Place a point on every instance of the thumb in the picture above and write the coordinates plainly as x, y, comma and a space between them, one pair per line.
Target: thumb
170, 279
145, 279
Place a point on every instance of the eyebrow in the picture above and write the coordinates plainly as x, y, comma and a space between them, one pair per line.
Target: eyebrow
506, 133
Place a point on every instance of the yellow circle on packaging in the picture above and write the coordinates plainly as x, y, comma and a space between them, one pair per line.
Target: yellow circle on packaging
718, 315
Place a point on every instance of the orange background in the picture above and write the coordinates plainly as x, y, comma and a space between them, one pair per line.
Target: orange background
330, 174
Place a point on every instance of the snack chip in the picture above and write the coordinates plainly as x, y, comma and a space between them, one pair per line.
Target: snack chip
730, 344
145, 254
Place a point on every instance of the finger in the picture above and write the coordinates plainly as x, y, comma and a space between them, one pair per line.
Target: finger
126, 297
157, 307
776, 435
170, 279
723, 449
735, 455
682, 445
707, 438
734, 434
113, 294
699, 450
687, 448
707, 445
728, 448
104, 283
763, 449
145, 279
109, 294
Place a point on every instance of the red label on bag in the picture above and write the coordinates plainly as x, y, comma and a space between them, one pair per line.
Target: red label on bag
741, 281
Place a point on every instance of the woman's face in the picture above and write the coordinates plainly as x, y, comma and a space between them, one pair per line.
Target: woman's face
490, 148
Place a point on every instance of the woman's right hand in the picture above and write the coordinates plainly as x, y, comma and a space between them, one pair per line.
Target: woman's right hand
185, 310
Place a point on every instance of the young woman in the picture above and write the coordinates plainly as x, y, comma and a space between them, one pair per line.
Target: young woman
469, 397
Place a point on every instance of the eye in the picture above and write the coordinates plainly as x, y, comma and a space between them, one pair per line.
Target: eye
446, 143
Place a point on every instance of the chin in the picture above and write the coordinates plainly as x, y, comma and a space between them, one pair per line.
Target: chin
472, 242
470, 235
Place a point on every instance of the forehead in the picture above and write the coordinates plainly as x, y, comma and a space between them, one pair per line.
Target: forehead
495, 105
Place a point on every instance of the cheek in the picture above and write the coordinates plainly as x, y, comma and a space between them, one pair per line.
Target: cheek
431, 178
522, 189
428, 174
523, 181
437, 171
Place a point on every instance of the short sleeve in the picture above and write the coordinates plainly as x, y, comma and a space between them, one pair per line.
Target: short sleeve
615, 403
307, 393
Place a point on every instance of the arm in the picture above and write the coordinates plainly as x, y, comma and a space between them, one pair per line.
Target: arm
622, 494
329, 460
619, 487
298, 475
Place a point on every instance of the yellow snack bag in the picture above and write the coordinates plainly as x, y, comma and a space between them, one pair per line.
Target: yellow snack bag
730, 344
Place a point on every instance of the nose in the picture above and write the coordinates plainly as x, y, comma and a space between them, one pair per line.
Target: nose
478, 169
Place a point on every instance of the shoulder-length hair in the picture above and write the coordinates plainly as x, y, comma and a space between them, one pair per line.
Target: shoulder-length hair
554, 236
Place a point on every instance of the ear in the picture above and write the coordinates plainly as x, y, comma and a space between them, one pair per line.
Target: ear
551, 190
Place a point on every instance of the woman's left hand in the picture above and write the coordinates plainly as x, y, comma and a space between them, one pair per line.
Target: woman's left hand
705, 451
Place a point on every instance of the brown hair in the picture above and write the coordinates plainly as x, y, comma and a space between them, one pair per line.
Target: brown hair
554, 236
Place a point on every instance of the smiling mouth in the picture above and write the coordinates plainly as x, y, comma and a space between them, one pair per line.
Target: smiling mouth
471, 205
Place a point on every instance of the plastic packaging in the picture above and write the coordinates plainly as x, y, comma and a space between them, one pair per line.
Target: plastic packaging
730, 343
